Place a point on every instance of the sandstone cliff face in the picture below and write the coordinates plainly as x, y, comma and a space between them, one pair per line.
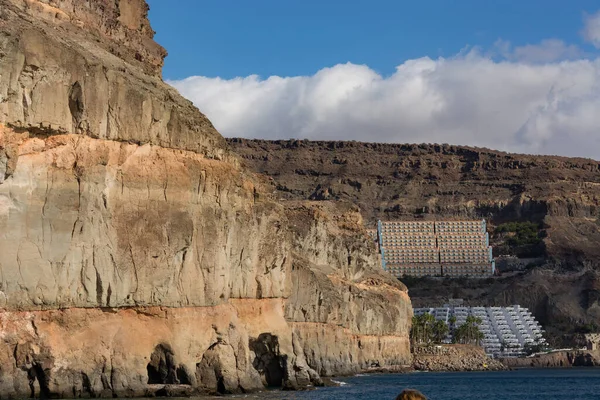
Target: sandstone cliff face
90, 223
70, 67
135, 252
390, 181
338, 303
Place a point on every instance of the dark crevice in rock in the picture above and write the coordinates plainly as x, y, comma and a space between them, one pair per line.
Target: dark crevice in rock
87, 384
37, 372
76, 103
221, 385
108, 294
99, 288
41, 131
269, 362
183, 375
161, 368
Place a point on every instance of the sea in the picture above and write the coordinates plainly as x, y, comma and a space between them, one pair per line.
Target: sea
530, 384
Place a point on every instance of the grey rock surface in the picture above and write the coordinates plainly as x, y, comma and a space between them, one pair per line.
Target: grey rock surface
137, 256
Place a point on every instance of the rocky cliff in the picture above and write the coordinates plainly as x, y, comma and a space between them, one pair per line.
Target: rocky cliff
397, 181
390, 181
137, 257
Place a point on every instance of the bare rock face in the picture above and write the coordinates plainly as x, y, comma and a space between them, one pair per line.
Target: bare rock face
454, 357
91, 223
391, 181
71, 67
423, 181
557, 359
337, 294
137, 257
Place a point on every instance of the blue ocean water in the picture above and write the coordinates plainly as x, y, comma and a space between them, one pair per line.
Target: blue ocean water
547, 384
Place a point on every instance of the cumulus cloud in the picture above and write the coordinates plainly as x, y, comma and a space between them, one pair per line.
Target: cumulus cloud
591, 30
551, 108
546, 51
542, 98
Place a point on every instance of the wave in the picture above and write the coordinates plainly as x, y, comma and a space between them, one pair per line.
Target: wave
340, 383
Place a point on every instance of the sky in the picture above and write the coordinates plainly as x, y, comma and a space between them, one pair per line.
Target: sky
519, 76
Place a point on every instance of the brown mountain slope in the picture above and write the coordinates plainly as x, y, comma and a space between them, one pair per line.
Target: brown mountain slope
391, 181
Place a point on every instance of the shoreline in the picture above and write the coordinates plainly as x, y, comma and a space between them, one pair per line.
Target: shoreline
342, 383
336, 381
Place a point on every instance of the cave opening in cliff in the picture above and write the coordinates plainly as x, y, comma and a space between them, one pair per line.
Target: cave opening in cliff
183, 375
37, 372
161, 368
268, 361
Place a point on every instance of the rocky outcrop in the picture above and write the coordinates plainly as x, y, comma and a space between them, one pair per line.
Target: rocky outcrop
90, 223
121, 28
423, 181
350, 310
557, 359
71, 67
137, 257
455, 357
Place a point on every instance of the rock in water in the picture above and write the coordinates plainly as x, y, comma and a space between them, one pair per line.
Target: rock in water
137, 257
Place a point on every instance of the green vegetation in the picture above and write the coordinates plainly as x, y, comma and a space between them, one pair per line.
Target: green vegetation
523, 233
427, 330
440, 331
469, 333
523, 239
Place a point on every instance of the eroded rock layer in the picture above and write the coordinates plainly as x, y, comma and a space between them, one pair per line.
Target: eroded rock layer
136, 256
427, 181
71, 67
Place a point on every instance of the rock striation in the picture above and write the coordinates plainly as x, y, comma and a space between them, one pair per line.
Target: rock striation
137, 256
91, 68
428, 181
391, 181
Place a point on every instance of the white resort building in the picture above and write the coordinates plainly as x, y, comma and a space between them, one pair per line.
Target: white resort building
435, 248
507, 330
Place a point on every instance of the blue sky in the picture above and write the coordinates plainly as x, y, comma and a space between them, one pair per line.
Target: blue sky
515, 75
286, 37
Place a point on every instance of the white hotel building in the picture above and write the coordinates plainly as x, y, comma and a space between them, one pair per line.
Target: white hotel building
506, 329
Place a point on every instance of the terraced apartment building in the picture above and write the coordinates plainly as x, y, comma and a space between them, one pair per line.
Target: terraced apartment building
507, 330
435, 248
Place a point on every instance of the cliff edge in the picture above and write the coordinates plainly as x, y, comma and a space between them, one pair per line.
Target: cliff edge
137, 257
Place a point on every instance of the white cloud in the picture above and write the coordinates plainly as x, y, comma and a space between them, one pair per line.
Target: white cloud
591, 30
551, 108
546, 51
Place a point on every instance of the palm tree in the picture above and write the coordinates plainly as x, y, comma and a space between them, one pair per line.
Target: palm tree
452, 322
422, 330
469, 333
428, 322
440, 330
